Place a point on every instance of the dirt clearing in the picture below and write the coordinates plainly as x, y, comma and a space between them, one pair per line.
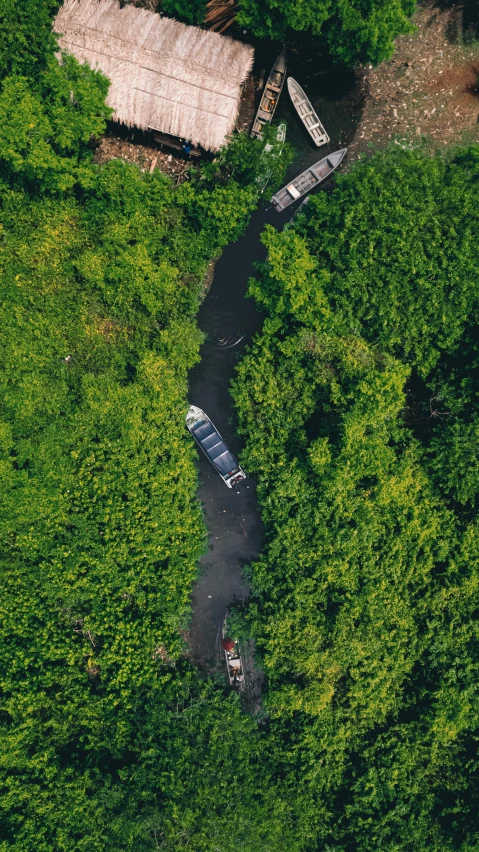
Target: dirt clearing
147, 156
429, 89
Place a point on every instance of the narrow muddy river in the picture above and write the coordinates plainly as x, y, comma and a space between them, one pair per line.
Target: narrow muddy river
233, 520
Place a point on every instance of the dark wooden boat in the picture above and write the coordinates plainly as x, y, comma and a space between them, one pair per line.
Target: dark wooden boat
308, 180
270, 96
308, 116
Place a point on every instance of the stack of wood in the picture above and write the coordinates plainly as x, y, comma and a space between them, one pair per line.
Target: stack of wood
220, 14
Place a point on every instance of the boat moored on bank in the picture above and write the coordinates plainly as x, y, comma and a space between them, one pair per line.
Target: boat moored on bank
270, 96
308, 180
234, 663
307, 113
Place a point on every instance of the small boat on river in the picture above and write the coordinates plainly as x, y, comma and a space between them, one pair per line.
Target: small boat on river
308, 179
308, 116
234, 664
209, 439
270, 96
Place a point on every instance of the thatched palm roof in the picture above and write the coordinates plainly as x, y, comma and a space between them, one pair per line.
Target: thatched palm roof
164, 75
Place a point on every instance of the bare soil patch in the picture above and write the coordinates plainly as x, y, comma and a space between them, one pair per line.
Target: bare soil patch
428, 90
147, 157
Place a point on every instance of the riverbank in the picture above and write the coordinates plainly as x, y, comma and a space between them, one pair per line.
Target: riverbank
429, 90
353, 108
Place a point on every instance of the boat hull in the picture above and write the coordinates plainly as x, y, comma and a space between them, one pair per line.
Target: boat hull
307, 114
270, 96
210, 441
308, 180
234, 663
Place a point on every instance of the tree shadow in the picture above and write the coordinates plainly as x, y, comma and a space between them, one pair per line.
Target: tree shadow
463, 24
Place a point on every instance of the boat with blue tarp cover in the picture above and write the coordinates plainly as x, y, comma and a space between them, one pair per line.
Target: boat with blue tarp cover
209, 439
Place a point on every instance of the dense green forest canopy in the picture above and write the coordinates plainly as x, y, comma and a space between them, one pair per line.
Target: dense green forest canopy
349, 30
358, 403
352, 30
109, 738
365, 601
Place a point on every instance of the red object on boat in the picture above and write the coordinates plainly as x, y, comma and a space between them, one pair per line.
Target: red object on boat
228, 644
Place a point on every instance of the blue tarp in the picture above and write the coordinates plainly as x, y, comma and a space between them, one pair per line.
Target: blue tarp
215, 448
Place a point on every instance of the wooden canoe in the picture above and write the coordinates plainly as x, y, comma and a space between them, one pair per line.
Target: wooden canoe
308, 116
270, 96
308, 180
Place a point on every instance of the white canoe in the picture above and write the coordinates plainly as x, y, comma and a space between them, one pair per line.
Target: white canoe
308, 116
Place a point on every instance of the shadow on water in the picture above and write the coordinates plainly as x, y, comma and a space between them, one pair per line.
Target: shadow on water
233, 520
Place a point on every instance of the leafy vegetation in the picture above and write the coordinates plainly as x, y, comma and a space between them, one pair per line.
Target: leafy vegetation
364, 600
26, 38
352, 31
101, 269
189, 11
359, 405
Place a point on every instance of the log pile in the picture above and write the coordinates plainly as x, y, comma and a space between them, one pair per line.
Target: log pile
220, 14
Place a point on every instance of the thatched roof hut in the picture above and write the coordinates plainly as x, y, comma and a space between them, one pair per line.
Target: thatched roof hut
164, 75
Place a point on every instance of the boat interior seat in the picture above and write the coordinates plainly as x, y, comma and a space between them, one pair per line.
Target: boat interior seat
203, 430
330, 164
293, 191
225, 463
210, 441
218, 450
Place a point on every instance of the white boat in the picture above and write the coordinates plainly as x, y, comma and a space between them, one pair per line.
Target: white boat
307, 114
308, 180
270, 96
209, 439
234, 663
263, 180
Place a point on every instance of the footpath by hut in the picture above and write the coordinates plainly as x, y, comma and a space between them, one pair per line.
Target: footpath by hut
180, 81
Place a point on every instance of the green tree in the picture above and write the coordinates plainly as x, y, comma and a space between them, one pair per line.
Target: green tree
27, 41
363, 598
189, 11
353, 30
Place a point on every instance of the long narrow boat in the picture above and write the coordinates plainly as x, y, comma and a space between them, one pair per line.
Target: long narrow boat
234, 663
209, 439
308, 180
308, 116
270, 96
